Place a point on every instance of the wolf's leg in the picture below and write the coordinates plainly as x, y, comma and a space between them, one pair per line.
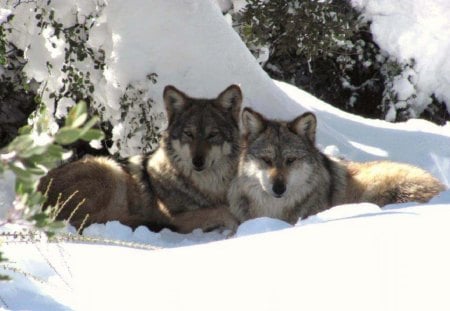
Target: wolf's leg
206, 219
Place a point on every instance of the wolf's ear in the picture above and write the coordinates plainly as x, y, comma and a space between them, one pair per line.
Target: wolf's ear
174, 99
231, 99
253, 122
305, 125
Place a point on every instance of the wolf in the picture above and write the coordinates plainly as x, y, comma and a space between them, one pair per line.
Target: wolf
282, 174
183, 185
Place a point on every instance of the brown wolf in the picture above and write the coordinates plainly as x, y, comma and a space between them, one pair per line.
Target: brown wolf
182, 185
283, 175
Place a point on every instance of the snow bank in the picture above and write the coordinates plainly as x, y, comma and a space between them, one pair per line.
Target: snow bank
391, 260
165, 238
4, 13
418, 30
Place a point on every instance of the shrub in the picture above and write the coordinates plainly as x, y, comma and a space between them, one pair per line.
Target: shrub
65, 65
31, 154
326, 48
16, 96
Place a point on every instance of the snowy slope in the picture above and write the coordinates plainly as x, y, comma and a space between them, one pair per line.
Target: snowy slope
392, 260
352, 257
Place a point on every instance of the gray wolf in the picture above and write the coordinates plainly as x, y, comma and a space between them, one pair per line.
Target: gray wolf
283, 175
182, 185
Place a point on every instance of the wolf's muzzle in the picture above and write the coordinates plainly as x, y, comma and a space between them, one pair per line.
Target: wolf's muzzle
278, 188
199, 163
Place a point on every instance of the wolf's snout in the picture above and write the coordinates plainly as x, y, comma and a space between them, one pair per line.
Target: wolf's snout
199, 163
278, 188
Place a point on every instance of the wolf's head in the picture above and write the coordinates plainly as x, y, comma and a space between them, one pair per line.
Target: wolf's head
202, 133
280, 155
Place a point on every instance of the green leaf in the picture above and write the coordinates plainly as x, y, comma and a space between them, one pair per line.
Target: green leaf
19, 171
36, 199
93, 134
90, 123
47, 160
55, 225
88, 134
40, 217
42, 220
26, 129
55, 151
36, 171
76, 114
67, 135
34, 150
21, 143
79, 121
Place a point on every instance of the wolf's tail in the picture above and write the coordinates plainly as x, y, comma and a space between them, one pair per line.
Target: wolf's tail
383, 182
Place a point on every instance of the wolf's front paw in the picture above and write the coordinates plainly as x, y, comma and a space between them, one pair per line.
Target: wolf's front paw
207, 219
222, 220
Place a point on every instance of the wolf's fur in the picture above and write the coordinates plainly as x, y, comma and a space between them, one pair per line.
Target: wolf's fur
283, 175
182, 185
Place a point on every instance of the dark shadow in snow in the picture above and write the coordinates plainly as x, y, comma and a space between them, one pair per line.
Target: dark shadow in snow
21, 294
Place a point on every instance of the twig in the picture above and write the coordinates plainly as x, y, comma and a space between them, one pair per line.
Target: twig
67, 237
75, 209
26, 274
83, 223
4, 302
52, 266
36, 236
59, 208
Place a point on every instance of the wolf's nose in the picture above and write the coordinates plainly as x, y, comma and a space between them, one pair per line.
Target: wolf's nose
279, 188
199, 163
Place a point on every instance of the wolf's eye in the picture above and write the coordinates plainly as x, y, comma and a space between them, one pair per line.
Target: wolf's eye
291, 160
267, 160
213, 134
188, 134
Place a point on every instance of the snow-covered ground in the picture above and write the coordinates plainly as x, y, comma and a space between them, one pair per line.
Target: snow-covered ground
352, 257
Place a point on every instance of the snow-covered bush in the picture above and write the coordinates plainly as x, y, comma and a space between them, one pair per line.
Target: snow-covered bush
327, 48
16, 96
403, 97
136, 113
416, 35
66, 48
321, 46
300, 30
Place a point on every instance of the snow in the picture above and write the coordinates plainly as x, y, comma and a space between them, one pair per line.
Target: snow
389, 260
165, 238
352, 257
4, 13
225, 5
418, 30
